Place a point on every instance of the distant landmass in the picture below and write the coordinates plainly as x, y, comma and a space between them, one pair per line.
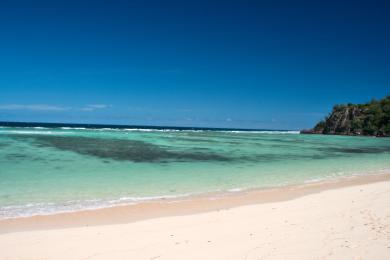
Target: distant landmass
372, 119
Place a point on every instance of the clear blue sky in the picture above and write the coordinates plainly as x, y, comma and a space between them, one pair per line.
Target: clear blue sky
251, 64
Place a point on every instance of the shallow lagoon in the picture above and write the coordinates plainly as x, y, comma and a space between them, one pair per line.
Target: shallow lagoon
48, 170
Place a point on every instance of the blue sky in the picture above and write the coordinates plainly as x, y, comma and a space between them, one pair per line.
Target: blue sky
250, 64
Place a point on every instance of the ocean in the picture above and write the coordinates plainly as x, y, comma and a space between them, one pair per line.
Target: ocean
52, 168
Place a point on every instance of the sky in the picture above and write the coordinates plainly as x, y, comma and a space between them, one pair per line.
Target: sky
240, 64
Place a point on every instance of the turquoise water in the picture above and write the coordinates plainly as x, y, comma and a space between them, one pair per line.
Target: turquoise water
45, 170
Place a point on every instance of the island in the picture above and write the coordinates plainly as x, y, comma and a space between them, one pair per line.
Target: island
371, 119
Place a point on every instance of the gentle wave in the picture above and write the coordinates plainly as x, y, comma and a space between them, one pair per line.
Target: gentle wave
235, 189
49, 208
262, 132
35, 132
73, 128
200, 131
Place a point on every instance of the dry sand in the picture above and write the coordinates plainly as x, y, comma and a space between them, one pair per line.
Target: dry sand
342, 222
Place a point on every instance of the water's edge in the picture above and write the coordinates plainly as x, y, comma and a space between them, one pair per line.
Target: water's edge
122, 214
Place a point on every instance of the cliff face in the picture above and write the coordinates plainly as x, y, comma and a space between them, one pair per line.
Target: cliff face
357, 119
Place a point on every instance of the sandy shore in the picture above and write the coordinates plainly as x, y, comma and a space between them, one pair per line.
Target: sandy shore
348, 219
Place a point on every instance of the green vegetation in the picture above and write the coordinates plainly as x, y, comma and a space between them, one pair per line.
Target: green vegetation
372, 118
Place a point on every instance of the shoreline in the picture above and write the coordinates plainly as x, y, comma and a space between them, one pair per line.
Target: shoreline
123, 214
341, 221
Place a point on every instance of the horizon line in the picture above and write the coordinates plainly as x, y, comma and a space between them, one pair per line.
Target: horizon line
142, 126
